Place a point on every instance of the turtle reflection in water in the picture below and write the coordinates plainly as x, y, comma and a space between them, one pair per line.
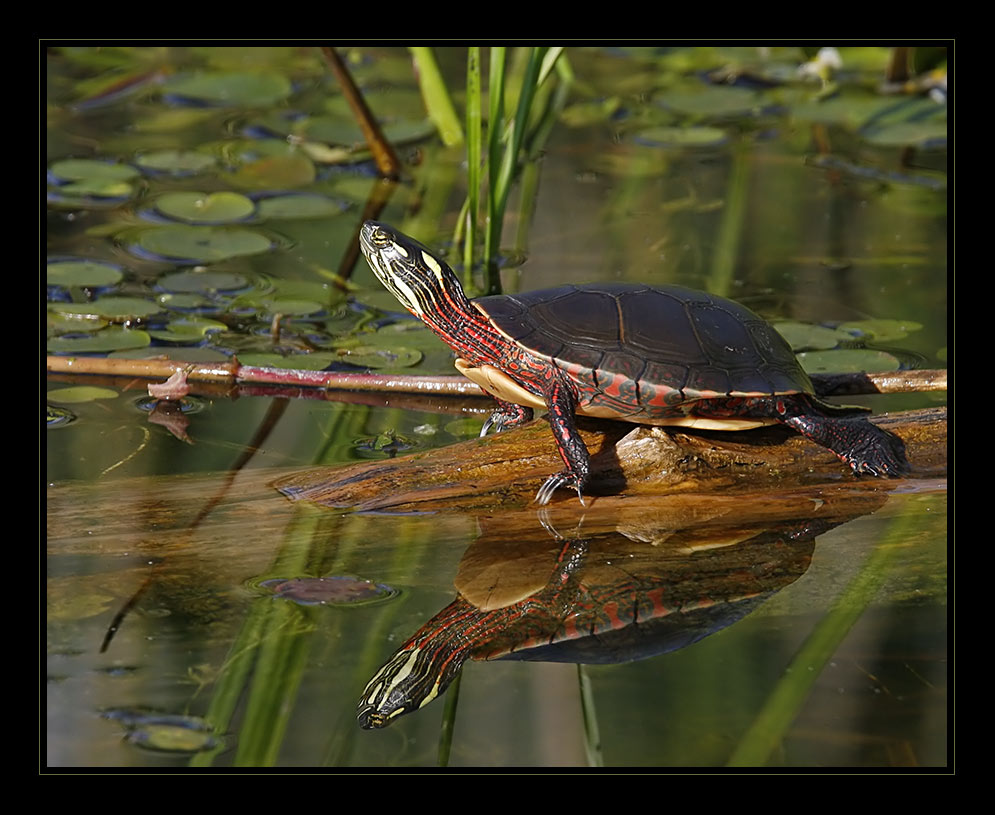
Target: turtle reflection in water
605, 600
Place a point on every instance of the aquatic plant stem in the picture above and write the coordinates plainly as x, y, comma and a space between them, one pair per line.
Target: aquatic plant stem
436, 96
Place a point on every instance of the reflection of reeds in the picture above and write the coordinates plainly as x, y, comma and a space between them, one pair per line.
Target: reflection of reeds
775, 719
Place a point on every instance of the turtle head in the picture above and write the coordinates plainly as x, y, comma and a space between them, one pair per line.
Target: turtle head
421, 280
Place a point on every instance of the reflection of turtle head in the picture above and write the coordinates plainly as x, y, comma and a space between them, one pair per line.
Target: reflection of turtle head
411, 679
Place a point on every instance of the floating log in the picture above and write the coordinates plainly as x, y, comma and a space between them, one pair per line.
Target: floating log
506, 469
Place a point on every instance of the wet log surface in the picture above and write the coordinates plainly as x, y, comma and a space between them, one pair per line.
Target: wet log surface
506, 469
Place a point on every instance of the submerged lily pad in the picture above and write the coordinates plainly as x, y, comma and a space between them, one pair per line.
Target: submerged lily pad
202, 244
205, 208
79, 394
337, 591
82, 273
112, 338
848, 360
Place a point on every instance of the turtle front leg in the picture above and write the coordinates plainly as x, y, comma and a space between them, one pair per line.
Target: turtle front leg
561, 404
507, 416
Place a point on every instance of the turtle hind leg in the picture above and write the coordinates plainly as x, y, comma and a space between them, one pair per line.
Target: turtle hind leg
867, 448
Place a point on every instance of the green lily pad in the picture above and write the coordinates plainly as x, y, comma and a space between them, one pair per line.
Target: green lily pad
79, 394
880, 330
112, 338
177, 354
300, 206
97, 188
232, 89
177, 162
82, 273
205, 208
111, 308
172, 739
187, 329
183, 301
276, 172
59, 322
805, 336
370, 356
80, 169
302, 362
848, 360
682, 136
286, 305
206, 282
713, 101
900, 134
202, 244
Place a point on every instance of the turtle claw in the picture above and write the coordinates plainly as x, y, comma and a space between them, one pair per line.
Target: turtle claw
554, 482
879, 453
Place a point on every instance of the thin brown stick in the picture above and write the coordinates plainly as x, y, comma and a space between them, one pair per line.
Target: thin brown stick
235, 373
383, 154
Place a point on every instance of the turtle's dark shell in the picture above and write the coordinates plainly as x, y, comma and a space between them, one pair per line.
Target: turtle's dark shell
639, 352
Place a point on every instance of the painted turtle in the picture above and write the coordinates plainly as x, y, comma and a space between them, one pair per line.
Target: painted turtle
663, 355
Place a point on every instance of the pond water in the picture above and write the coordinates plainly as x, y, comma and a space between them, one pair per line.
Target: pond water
197, 618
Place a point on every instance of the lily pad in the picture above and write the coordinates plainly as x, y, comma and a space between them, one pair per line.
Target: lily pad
682, 136
177, 354
187, 329
80, 169
880, 330
231, 89
112, 338
930, 133
206, 282
369, 356
848, 360
205, 208
82, 273
334, 590
713, 101
176, 162
302, 362
111, 308
286, 305
79, 394
805, 336
202, 244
